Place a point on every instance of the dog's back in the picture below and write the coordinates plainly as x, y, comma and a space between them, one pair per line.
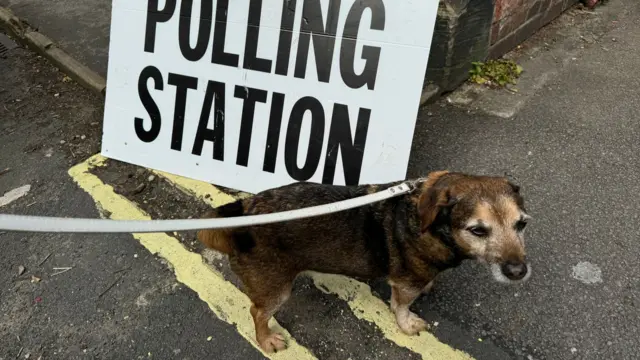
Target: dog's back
352, 242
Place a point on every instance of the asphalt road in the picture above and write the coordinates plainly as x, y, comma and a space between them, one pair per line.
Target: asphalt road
117, 301
573, 147
125, 297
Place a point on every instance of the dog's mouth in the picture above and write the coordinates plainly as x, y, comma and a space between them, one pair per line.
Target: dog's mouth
511, 272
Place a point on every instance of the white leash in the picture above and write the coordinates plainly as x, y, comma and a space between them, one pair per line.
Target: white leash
68, 225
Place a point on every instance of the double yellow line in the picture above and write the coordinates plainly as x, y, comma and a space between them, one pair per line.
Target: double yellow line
228, 302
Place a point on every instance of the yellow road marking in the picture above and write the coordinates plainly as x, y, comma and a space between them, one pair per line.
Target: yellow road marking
367, 306
362, 302
224, 299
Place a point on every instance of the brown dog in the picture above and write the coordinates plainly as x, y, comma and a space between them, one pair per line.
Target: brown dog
408, 239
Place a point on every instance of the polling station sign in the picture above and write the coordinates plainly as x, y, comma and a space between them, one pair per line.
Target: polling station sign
255, 94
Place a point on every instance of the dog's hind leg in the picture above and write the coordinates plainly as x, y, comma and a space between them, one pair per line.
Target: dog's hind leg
269, 341
268, 290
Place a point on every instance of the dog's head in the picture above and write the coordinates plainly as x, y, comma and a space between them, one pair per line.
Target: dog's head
481, 218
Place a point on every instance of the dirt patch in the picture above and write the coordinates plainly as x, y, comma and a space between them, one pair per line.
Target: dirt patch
154, 195
34, 91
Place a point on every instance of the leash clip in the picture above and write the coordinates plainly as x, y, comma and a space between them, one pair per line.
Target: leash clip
411, 184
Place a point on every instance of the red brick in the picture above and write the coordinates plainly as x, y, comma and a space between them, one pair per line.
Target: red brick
515, 38
516, 18
546, 5
510, 7
495, 33
555, 9
535, 10
512, 22
497, 10
506, 8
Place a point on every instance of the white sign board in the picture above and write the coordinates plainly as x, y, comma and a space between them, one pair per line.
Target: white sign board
255, 94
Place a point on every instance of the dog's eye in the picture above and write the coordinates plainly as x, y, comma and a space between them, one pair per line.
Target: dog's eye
520, 225
479, 231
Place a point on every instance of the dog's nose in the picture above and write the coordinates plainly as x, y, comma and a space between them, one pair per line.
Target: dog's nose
514, 271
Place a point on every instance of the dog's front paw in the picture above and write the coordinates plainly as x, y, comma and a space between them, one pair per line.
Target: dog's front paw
411, 324
273, 342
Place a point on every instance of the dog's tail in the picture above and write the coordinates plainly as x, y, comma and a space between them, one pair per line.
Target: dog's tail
221, 240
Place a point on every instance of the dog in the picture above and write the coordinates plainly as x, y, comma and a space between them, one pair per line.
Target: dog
449, 217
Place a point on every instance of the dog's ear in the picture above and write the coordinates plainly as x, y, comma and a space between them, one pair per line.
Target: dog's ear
434, 202
516, 194
435, 208
514, 187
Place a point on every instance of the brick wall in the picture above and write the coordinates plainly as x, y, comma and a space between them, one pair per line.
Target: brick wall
516, 20
474, 30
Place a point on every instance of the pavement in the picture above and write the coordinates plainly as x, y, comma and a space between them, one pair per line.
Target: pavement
568, 135
156, 295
